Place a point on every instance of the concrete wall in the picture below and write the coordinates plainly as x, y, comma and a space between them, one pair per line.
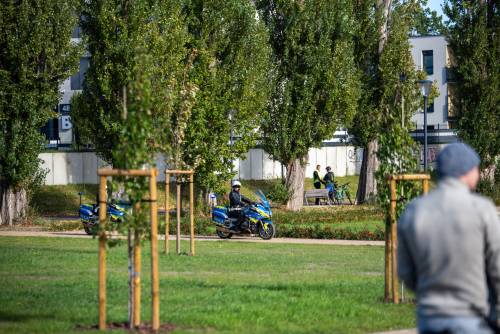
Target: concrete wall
81, 167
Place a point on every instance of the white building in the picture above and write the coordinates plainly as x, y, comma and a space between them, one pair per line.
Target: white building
431, 55
59, 131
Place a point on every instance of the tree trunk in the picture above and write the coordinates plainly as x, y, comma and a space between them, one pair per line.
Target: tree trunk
367, 187
295, 175
384, 8
488, 173
13, 205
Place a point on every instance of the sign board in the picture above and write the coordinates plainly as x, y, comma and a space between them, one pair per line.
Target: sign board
65, 108
65, 123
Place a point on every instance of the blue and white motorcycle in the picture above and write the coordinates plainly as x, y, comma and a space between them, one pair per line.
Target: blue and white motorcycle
258, 220
89, 215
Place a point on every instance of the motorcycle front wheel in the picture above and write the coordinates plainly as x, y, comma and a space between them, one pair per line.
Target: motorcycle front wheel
266, 231
224, 235
88, 229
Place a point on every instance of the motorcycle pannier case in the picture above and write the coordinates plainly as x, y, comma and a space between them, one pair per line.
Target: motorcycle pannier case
219, 214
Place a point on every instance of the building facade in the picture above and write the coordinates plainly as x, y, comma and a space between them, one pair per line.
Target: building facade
432, 55
59, 131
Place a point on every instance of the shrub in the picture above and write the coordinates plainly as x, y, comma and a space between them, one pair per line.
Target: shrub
278, 193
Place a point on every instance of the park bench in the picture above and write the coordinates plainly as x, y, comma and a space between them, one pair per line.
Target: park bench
317, 193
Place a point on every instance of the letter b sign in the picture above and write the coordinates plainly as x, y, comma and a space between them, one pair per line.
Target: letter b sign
66, 123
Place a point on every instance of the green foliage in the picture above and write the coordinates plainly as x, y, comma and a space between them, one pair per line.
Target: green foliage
278, 193
473, 34
131, 89
489, 188
388, 78
315, 87
134, 150
230, 76
381, 74
397, 152
114, 32
427, 21
36, 56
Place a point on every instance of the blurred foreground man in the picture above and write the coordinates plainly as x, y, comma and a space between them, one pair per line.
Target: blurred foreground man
449, 247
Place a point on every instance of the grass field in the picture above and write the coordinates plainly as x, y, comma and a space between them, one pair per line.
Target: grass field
49, 285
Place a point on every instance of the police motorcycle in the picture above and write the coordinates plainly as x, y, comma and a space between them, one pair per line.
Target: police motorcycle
89, 215
257, 220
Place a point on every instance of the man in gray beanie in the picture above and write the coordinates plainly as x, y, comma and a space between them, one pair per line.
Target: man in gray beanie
449, 247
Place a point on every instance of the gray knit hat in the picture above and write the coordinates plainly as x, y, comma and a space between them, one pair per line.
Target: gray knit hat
456, 160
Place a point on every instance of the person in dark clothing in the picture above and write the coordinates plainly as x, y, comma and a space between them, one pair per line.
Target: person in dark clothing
328, 179
236, 202
317, 180
329, 182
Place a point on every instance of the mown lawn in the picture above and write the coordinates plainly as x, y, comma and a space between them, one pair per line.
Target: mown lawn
49, 285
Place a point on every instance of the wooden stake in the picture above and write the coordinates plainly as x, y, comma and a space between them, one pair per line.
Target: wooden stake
425, 186
167, 214
388, 281
191, 212
394, 244
391, 241
102, 253
137, 278
178, 211
155, 286
409, 177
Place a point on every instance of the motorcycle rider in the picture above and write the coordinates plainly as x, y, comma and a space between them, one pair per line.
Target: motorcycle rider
236, 202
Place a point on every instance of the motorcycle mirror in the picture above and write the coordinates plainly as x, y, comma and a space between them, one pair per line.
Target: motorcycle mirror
80, 194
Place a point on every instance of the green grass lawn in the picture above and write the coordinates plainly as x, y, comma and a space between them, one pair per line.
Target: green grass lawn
49, 285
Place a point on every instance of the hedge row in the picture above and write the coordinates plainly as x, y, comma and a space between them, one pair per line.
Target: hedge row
204, 226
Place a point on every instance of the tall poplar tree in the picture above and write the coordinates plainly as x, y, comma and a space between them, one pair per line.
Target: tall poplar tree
225, 88
113, 33
315, 86
473, 35
383, 58
36, 56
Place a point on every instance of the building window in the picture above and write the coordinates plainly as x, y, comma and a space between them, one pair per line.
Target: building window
428, 62
77, 32
430, 108
77, 78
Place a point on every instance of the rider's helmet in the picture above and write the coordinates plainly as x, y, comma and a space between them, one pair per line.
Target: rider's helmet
328, 168
236, 184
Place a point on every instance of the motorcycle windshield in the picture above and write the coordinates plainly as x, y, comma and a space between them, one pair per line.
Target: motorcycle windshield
262, 197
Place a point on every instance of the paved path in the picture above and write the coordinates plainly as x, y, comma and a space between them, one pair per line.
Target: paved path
81, 234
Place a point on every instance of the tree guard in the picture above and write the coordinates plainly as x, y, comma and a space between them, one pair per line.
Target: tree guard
155, 286
391, 234
168, 173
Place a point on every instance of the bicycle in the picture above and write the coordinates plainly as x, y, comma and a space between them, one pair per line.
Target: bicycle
341, 193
